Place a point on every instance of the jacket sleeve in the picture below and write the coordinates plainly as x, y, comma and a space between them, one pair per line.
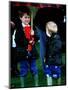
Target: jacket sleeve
57, 44
20, 38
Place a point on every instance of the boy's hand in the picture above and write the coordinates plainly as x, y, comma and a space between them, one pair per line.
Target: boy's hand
32, 42
32, 32
29, 48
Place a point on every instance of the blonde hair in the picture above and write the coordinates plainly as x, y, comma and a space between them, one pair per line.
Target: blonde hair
52, 26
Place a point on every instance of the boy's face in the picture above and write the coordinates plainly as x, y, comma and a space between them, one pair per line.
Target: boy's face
25, 19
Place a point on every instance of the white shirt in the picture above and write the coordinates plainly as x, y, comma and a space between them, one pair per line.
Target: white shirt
13, 39
24, 25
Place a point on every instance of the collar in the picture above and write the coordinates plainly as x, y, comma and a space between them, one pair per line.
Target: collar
24, 25
47, 33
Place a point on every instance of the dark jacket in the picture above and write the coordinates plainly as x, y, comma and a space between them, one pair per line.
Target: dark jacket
53, 50
22, 43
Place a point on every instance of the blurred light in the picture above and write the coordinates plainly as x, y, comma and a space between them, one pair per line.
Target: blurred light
64, 19
54, 75
47, 66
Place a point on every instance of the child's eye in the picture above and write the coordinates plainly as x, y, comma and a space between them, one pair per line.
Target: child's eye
27, 17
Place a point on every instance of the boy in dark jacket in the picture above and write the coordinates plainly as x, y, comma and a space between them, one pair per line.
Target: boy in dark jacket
25, 41
53, 50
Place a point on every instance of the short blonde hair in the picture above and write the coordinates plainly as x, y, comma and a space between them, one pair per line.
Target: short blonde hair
52, 26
